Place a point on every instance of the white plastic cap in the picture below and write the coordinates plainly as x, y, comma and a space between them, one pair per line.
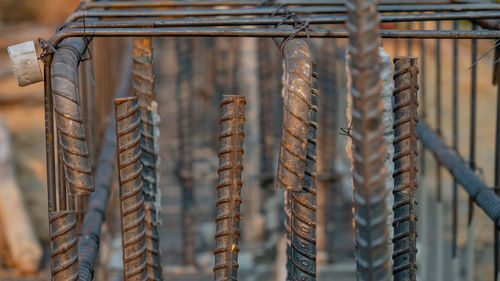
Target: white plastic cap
25, 63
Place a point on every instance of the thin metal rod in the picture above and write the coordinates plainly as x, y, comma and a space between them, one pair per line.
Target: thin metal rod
270, 10
159, 22
263, 32
423, 102
454, 87
497, 181
49, 139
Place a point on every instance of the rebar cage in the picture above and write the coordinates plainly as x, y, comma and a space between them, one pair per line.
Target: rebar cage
83, 139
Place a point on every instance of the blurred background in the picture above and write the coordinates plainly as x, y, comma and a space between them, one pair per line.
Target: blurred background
220, 66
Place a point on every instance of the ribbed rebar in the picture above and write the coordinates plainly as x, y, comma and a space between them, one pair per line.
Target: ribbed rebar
143, 82
302, 259
368, 149
69, 117
63, 246
296, 107
229, 188
405, 168
131, 188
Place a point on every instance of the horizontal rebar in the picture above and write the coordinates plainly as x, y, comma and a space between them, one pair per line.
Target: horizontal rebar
158, 22
479, 191
270, 10
265, 32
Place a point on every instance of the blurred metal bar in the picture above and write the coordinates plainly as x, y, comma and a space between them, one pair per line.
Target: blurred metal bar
482, 194
368, 148
497, 177
454, 113
229, 188
159, 22
405, 168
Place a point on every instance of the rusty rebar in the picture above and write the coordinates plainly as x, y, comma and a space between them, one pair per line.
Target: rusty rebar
296, 106
302, 208
229, 188
405, 168
69, 117
143, 83
63, 246
131, 188
368, 149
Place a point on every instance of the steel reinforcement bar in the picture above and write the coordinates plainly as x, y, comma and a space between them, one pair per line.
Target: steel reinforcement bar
302, 212
143, 83
63, 246
229, 188
296, 106
481, 193
405, 169
131, 188
368, 149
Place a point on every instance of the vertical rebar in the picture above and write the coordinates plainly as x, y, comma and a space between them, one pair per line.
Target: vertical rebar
472, 160
302, 204
63, 246
143, 83
368, 149
185, 167
49, 139
229, 188
296, 106
439, 209
405, 168
423, 101
131, 188
497, 178
454, 258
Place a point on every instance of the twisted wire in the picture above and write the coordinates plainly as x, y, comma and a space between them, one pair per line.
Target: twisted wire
69, 119
63, 246
302, 208
131, 188
296, 105
405, 168
229, 188
368, 149
143, 83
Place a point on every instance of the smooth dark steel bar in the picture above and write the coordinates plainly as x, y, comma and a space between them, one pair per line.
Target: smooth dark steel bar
438, 107
368, 148
405, 168
454, 114
63, 246
497, 178
229, 188
158, 22
270, 10
131, 188
303, 206
49, 140
143, 84
482, 194
263, 32
296, 106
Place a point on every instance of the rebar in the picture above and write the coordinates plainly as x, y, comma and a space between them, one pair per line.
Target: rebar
405, 168
143, 84
49, 139
229, 188
185, 166
296, 105
302, 225
69, 118
131, 188
63, 246
368, 149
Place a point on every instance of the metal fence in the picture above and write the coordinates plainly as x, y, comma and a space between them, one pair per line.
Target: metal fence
84, 141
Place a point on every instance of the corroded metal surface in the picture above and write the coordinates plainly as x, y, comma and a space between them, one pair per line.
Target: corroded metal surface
143, 83
302, 209
63, 246
69, 118
405, 168
229, 188
131, 188
368, 149
296, 106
